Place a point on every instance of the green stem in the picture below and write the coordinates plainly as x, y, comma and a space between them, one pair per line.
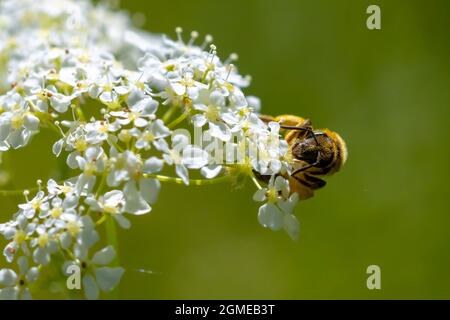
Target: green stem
116, 145
111, 232
80, 113
169, 113
195, 182
177, 121
255, 181
8, 193
101, 220
101, 185
111, 235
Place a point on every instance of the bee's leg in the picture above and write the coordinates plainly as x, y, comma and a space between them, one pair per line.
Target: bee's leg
305, 168
295, 128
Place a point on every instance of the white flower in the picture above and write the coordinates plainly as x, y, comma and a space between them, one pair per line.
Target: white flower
123, 167
270, 150
141, 109
58, 207
92, 163
185, 156
67, 188
98, 131
75, 141
106, 85
234, 94
277, 214
154, 134
43, 96
17, 231
112, 203
220, 118
76, 228
17, 127
185, 85
45, 245
138, 201
96, 275
15, 285
38, 203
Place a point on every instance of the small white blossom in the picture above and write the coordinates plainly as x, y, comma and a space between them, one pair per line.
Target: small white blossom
45, 244
14, 286
96, 275
141, 109
17, 126
17, 230
113, 204
277, 214
185, 156
154, 134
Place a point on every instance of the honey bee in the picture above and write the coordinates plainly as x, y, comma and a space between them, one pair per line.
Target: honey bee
313, 153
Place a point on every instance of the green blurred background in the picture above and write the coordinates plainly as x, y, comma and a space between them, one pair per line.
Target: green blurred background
386, 92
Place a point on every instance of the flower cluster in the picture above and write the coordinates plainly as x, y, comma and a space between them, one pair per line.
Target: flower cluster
122, 121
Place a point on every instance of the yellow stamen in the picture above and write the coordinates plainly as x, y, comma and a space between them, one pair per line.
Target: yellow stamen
20, 236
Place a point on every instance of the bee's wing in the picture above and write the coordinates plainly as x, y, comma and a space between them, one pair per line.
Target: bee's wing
295, 121
287, 120
266, 118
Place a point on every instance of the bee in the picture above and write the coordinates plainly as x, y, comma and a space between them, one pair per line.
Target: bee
312, 153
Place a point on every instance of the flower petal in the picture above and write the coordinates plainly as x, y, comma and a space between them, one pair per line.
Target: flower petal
7, 277
291, 225
153, 165
149, 189
90, 287
211, 171
10, 293
108, 278
104, 256
122, 221
270, 216
260, 195
183, 173
134, 202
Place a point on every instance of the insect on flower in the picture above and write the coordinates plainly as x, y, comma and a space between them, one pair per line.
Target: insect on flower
313, 153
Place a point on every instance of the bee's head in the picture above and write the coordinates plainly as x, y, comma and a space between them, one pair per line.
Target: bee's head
306, 150
315, 148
